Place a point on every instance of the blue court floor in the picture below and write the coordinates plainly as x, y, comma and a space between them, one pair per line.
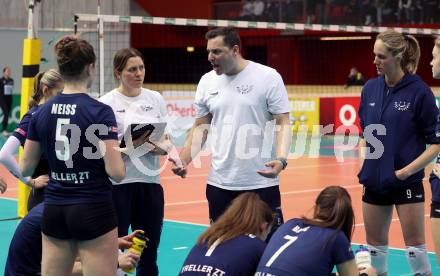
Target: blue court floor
177, 240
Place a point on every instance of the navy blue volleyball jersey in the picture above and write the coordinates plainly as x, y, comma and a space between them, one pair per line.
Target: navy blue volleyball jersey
237, 256
21, 134
22, 129
68, 128
24, 256
435, 185
408, 119
298, 249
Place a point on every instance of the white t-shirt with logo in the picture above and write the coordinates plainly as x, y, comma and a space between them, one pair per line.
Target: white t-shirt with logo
148, 107
242, 126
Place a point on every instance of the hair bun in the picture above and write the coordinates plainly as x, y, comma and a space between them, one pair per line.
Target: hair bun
68, 38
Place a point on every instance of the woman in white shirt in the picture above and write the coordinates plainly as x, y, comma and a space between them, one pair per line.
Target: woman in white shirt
138, 199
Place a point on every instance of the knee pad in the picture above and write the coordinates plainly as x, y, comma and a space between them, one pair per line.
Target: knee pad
379, 256
417, 257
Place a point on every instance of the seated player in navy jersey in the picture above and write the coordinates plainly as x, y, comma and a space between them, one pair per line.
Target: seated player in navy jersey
24, 256
314, 246
234, 243
78, 136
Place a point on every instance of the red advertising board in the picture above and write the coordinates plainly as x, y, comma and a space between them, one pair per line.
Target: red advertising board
342, 113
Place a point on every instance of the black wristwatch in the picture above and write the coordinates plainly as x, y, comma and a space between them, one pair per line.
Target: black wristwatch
283, 161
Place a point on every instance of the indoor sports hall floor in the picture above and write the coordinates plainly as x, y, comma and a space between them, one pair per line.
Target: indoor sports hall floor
186, 208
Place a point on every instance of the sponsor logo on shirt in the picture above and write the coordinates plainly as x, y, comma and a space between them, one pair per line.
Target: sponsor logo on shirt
146, 108
200, 268
244, 89
121, 111
402, 105
372, 104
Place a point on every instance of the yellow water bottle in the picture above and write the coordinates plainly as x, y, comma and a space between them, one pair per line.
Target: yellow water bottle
138, 244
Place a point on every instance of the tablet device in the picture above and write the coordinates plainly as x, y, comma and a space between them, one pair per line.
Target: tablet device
154, 132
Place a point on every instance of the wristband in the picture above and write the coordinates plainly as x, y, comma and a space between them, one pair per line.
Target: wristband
283, 161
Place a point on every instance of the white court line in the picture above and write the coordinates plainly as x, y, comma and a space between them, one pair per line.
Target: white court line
284, 193
180, 248
8, 198
185, 222
186, 203
320, 189
353, 243
287, 169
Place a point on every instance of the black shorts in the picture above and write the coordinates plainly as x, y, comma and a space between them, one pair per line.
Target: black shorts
414, 193
78, 221
36, 196
435, 209
219, 200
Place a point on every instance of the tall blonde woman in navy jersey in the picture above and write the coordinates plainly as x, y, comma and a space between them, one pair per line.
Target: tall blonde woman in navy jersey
435, 176
78, 136
399, 120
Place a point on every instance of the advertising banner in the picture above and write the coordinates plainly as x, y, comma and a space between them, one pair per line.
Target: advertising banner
304, 114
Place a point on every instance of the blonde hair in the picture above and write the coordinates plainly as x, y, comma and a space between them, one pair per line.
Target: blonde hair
51, 78
405, 47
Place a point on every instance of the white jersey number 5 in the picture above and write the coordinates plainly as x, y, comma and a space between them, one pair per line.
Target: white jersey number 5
64, 154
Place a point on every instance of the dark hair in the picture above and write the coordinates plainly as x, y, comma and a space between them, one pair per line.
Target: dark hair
230, 36
73, 55
333, 209
50, 78
121, 58
404, 46
245, 215
5, 68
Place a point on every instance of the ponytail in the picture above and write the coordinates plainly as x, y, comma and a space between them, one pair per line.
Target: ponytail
411, 55
38, 91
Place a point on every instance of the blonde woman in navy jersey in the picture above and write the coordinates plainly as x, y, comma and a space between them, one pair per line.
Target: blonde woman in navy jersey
399, 121
434, 179
78, 136
46, 85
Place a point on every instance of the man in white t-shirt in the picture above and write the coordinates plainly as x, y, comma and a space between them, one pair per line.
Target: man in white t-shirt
242, 103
